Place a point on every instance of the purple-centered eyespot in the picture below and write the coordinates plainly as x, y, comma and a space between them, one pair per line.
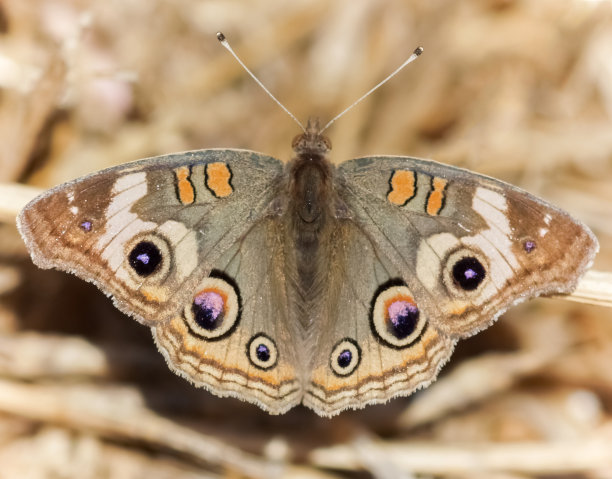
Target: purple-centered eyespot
263, 352
344, 358
214, 311
468, 273
396, 319
145, 258
208, 309
529, 246
402, 317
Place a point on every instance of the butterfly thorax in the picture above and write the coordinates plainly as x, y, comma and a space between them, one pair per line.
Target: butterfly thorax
310, 173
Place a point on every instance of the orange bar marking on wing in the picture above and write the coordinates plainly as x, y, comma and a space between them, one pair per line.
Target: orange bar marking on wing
184, 188
403, 187
218, 176
435, 200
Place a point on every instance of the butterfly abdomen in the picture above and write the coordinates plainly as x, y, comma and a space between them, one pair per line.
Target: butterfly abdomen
309, 216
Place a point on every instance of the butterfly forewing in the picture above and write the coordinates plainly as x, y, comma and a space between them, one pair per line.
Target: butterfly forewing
469, 245
147, 232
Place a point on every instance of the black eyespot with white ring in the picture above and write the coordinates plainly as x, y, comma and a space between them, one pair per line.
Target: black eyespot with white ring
468, 273
145, 258
149, 258
345, 357
395, 317
465, 272
216, 308
262, 352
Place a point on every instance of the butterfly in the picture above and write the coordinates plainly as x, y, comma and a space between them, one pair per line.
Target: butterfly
306, 283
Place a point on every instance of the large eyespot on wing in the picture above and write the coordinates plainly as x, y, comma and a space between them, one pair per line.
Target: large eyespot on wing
465, 271
215, 310
395, 317
148, 258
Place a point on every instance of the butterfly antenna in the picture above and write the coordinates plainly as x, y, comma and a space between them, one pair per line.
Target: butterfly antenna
225, 43
417, 52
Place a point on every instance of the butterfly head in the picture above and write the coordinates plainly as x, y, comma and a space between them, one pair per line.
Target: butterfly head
311, 142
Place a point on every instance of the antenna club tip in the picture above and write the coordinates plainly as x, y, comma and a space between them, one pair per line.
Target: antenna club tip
220, 36
417, 51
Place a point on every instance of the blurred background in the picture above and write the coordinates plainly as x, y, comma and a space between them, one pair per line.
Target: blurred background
519, 90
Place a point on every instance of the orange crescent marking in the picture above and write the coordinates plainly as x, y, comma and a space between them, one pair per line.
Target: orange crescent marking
218, 177
435, 200
399, 297
155, 294
218, 291
457, 308
403, 187
186, 193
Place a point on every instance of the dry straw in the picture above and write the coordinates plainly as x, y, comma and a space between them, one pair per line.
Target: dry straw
520, 91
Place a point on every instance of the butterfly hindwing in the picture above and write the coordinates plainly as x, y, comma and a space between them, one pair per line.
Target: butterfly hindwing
359, 359
232, 335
